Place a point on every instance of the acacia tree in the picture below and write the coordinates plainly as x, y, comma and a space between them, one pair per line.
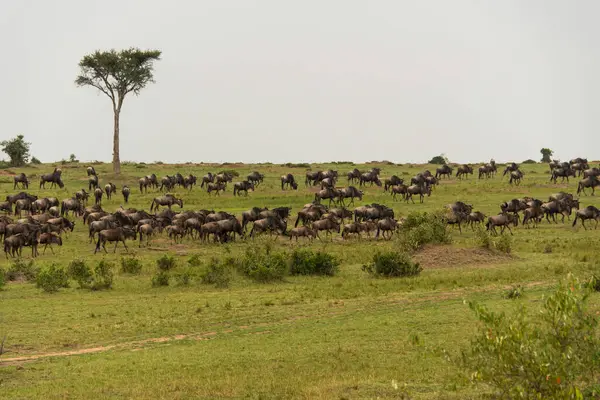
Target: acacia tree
117, 73
546, 154
17, 149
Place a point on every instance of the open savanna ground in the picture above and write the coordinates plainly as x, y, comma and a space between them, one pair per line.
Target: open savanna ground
347, 336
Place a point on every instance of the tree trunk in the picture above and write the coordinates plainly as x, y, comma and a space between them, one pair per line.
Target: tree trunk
116, 158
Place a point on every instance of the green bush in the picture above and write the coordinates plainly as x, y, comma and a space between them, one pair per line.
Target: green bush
160, 278
529, 161
50, 279
35, 161
22, 270
194, 260
103, 276
514, 292
166, 263
483, 238
420, 229
308, 262
504, 244
131, 265
218, 273
2, 277
263, 265
439, 160
392, 264
552, 354
593, 283
80, 272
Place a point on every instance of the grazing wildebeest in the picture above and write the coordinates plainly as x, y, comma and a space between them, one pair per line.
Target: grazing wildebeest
255, 178
91, 171
93, 182
421, 190
463, 171
444, 170
48, 239
98, 196
206, 179
269, 224
110, 188
243, 186
22, 179
588, 182
503, 220
53, 178
515, 176
166, 200
350, 192
216, 187
72, 205
590, 212
392, 181
125, 191
251, 216
561, 173
115, 235
386, 225
288, 181
303, 231
354, 175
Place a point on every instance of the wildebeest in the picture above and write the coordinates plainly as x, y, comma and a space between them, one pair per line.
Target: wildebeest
354, 175
54, 178
168, 183
243, 186
216, 187
72, 205
224, 177
92, 182
589, 182
515, 176
590, 212
148, 231
99, 226
392, 181
6, 206
288, 181
421, 190
251, 215
22, 205
386, 225
255, 177
206, 179
476, 217
561, 173
125, 191
510, 168
488, 170
91, 171
48, 239
503, 220
444, 170
371, 177
591, 172
302, 231
115, 235
82, 195
327, 224
98, 193
269, 224
350, 192
20, 196
328, 193
313, 177
463, 171
22, 179
166, 200
189, 181
109, 189
399, 189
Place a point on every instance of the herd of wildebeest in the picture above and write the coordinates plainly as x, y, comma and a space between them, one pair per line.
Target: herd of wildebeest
46, 219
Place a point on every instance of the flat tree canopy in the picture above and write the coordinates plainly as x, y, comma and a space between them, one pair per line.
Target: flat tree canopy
117, 73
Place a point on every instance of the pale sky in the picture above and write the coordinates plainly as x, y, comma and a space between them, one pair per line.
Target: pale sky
295, 81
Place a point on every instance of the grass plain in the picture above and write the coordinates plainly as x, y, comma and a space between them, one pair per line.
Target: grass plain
345, 337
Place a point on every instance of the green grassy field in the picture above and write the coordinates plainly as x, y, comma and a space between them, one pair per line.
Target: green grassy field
343, 337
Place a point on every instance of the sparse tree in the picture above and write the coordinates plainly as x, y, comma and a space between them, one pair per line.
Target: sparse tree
546, 154
440, 160
17, 149
73, 159
117, 73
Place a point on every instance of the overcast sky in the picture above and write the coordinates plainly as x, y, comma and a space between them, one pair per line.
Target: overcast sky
312, 80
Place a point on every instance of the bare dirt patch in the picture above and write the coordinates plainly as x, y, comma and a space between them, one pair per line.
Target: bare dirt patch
452, 257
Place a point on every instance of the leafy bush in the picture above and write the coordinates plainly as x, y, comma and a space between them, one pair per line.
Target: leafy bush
504, 244
263, 265
439, 160
218, 273
514, 292
307, 262
52, 278
98, 279
22, 270
593, 283
80, 272
194, 260
166, 263
424, 228
103, 276
35, 161
551, 355
184, 277
2, 277
392, 264
483, 238
529, 161
231, 171
161, 278
131, 265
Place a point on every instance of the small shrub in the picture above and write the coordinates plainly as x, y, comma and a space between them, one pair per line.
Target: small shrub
483, 238
439, 160
140, 166
22, 270
392, 264
52, 278
514, 292
2, 277
593, 283
103, 276
217, 273
308, 262
131, 265
263, 266
80, 272
504, 244
548, 248
424, 228
529, 161
158, 162
184, 277
194, 260
166, 263
161, 278
35, 161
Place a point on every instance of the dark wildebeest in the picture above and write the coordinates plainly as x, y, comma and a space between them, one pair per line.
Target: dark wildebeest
82, 195
115, 235
371, 177
251, 216
53, 178
421, 190
580, 167
591, 172
534, 214
269, 224
98, 193
72, 205
13, 245
328, 183
554, 164
588, 182
561, 173
280, 212
463, 171
444, 170
110, 188
22, 179
22, 205
20, 196
243, 186
503, 220
229, 227
310, 214
515, 176
144, 183
327, 225
393, 181
224, 177
354, 175
350, 192
255, 177
486, 171
289, 181
206, 179
313, 177
125, 191
99, 226
328, 193
148, 231
216, 187
455, 217
6, 206
48, 239
399, 189
590, 212
386, 225
302, 231
92, 182
460, 207
189, 181
91, 171
166, 200
168, 183
476, 217
510, 168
